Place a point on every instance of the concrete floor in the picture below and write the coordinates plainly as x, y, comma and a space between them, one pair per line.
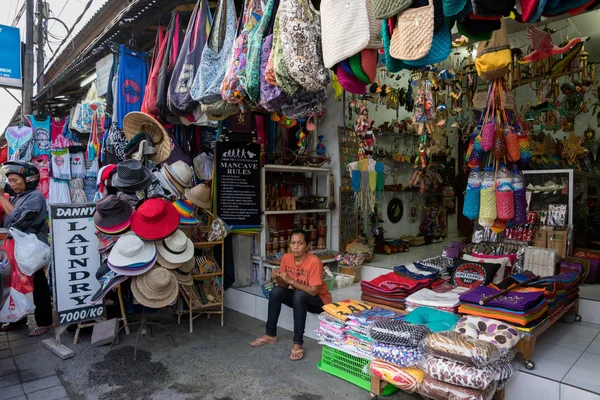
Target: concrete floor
213, 363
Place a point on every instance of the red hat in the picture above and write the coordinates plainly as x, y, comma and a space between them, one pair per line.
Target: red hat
156, 219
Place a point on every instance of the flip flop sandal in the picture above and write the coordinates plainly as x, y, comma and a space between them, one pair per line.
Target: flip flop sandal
296, 353
262, 342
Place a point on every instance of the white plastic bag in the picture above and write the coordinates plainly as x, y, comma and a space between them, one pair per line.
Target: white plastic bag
31, 254
16, 307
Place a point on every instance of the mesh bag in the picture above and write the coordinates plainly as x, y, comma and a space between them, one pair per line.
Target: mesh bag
513, 151
520, 207
487, 206
471, 204
525, 148
477, 153
499, 148
505, 205
487, 136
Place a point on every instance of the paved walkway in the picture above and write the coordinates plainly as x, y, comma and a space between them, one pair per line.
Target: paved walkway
27, 370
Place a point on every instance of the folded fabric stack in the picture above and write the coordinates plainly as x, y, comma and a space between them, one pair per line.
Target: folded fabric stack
459, 367
398, 353
357, 328
441, 263
525, 310
392, 289
502, 335
435, 320
331, 330
417, 271
560, 290
443, 301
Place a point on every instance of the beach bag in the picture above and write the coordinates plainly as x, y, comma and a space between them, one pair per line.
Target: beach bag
174, 41
282, 75
413, 36
160, 44
304, 104
300, 28
216, 54
232, 87
271, 96
31, 254
180, 99
494, 56
255, 50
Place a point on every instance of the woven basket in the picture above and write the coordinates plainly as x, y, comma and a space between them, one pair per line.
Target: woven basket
355, 272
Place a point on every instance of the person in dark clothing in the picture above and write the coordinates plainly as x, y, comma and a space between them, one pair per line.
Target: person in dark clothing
26, 211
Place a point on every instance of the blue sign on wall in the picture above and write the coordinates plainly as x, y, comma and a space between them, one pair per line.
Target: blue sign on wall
10, 57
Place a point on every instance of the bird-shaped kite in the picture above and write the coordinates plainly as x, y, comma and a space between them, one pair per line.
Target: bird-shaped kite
542, 45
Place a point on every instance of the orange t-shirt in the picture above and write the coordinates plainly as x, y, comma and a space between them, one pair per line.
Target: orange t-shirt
310, 273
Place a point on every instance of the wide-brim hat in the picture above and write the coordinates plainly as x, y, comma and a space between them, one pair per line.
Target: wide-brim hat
136, 122
155, 219
155, 289
117, 229
180, 172
131, 176
173, 181
200, 195
166, 183
185, 208
106, 240
130, 250
112, 212
134, 270
183, 278
107, 282
176, 248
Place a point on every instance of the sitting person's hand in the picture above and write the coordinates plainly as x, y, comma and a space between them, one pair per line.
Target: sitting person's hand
284, 280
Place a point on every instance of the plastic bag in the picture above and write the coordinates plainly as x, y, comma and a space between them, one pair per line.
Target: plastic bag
31, 254
19, 281
16, 306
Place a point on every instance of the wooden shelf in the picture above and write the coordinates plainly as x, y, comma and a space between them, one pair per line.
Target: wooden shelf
291, 168
283, 212
207, 306
206, 245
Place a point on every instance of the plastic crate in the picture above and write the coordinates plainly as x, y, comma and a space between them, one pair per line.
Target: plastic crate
349, 368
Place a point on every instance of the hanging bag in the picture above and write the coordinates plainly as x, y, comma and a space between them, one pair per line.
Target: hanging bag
232, 89
282, 75
256, 39
489, 127
413, 35
151, 93
157, 55
300, 26
174, 39
494, 56
180, 99
216, 54
272, 96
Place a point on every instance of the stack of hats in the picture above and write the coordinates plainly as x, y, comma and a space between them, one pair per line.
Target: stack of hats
175, 178
155, 220
131, 176
200, 196
176, 253
185, 208
155, 289
113, 216
132, 256
140, 128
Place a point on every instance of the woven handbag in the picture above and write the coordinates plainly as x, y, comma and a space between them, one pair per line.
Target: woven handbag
494, 56
216, 54
441, 46
391, 64
345, 29
413, 36
383, 9
375, 41
300, 26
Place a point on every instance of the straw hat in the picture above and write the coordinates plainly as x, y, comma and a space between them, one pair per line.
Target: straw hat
200, 196
172, 180
136, 122
176, 248
155, 289
180, 172
184, 273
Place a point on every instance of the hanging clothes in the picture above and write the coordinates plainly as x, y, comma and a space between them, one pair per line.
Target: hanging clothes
41, 135
78, 195
41, 163
133, 73
59, 141
19, 139
59, 191
61, 164
78, 165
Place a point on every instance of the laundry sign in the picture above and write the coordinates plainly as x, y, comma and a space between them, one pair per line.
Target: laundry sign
75, 259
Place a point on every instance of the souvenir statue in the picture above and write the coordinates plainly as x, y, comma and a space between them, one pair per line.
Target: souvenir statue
369, 137
541, 42
363, 122
590, 135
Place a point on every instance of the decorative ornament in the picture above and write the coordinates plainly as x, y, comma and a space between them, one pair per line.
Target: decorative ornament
590, 135
321, 149
572, 146
414, 211
542, 45
395, 210
288, 123
301, 136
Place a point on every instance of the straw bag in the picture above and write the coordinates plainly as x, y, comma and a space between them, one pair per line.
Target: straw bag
391, 64
383, 9
413, 36
300, 26
345, 29
494, 55
215, 55
441, 46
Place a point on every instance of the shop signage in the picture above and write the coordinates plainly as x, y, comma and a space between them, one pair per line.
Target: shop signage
103, 68
238, 183
75, 260
10, 57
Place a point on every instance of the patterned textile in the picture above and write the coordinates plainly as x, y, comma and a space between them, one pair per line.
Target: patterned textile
417, 271
462, 348
403, 356
77, 193
435, 320
504, 371
90, 188
458, 373
438, 390
42, 164
407, 379
342, 309
398, 333
441, 263
503, 335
